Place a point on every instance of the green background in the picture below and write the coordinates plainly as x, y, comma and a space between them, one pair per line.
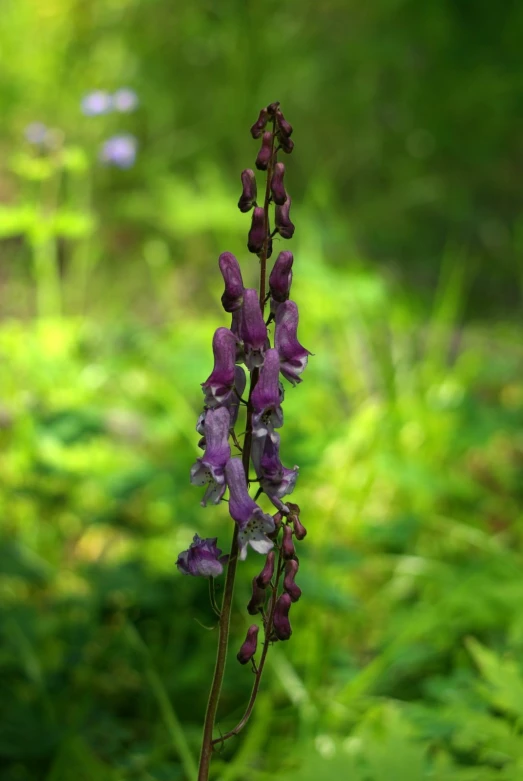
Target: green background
405, 660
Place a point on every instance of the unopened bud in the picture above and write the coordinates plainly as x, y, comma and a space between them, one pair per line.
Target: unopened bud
232, 297
284, 126
272, 108
277, 523
249, 192
249, 646
284, 223
259, 126
294, 591
299, 529
264, 155
279, 195
287, 546
265, 576
281, 623
258, 598
287, 144
280, 279
257, 233
293, 507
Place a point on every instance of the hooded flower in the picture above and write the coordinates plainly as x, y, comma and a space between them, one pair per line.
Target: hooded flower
280, 279
293, 357
249, 191
252, 522
259, 126
210, 468
282, 625
292, 589
279, 196
252, 329
275, 479
202, 559
248, 648
219, 385
264, 155
232, 297
282, 219
257, 232
266, 396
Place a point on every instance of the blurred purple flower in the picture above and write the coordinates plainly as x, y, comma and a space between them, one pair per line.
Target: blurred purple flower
96, 103
125, 100
36, 133
119, 151
202, 559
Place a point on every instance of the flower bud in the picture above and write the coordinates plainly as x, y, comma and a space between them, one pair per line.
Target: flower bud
277, 525
279, 195
232, 297
294, 591
281, 277
264, 155
287, 545
249, 646
249, 192
259, 126
287, 144
257, 233
265, 576
299, 529
284, 126
257, 598
272, 108
281, 623
283, 221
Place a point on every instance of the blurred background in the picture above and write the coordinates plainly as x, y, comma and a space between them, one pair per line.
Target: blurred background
125, 125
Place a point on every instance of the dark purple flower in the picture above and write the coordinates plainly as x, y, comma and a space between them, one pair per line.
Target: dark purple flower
249, 192
96, 103
36, 133
257, 233
265, 153
257, 600
300, 532
266, 396
283, 222
252, 331
119, 151
287, 545
293, 356
252, 522
259, 126
284, 127
202, 559
232, 297
280, 279
210, 468
286, 143
293, 590
125, 100
220, 383
272, 108
281, 623
279, 196
275, 479
265, 576
249, 646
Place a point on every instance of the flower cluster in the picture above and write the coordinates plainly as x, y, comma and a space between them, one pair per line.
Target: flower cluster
246, 348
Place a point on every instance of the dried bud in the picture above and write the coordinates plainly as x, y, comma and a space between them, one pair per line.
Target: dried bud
265, 576
281, 277
281, 623
284, 126
232, 297
287, 144
257, 598
259, 126
279, 195
249, 192
283, 221
294, 591
294, 508
249, 646
299, 529
257, 233
264, 155
287, 545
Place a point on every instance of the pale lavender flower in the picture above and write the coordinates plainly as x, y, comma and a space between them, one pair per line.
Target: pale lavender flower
266, 396
218, 387
119, 151
202, 559
210, 468
253, 523
125, 100
96, 103
36, 133
252, 329
249, 646
232, 297
293, 356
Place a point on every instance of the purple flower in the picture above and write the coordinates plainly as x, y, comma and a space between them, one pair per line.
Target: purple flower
283, 222
292, 589
293, 357
96, 103
259, 126
275, 479
266, 396
119, 151
232, 297
264, 155
286, 143
280, 279
257, 233
252, 329
265, 576
210, 468
300, 532
252, 522
36, 133
284, 127
220, 383
249, 646
282, 625
279, 196
202, 559
125, 100
249, 192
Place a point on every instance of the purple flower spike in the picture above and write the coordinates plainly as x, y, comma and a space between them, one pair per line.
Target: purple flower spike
248, 648
292, 589
210, 468
284, 223
220, 383
265, 576
257, 233
202, 559
275, 479
252, 522
282, 625
232, 297
264, 155
293, 357
253, 331
287, 545
259, 126
266, 396
280, 279
249, 192
279, 196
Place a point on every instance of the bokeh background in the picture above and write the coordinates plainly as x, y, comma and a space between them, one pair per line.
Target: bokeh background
124, 129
